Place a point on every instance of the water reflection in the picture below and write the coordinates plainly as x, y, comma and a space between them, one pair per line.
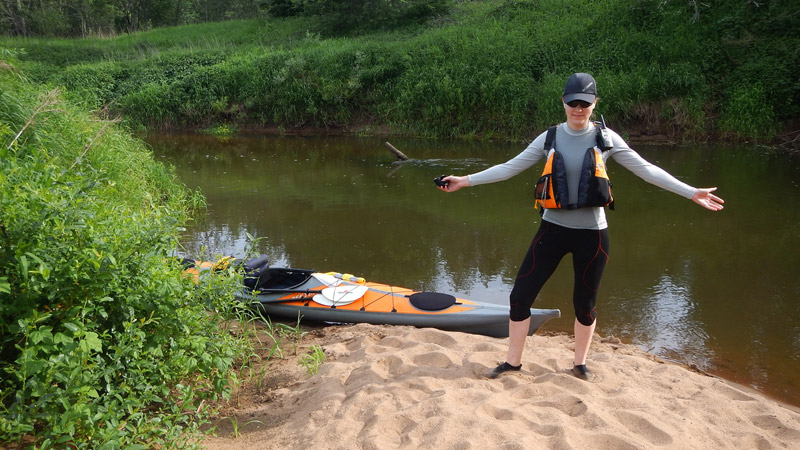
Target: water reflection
671, 325
718, 290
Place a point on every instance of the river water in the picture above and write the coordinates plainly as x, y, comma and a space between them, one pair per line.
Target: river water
716, 290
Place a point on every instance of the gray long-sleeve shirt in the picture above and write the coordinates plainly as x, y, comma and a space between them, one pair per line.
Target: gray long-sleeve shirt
572, 145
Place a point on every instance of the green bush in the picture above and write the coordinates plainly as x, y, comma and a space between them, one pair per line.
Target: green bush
747, 113
103, 344
154, 104
92, 84
483, 69
49, 22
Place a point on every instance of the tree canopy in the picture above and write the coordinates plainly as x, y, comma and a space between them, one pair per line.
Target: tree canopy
100, 17
81, 18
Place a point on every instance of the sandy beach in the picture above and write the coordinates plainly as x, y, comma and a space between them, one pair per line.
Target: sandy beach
385, 387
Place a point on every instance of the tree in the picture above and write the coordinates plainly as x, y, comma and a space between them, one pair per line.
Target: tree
87, 17
346, 16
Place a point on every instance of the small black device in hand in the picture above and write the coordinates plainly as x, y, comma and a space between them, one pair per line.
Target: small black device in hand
439, 182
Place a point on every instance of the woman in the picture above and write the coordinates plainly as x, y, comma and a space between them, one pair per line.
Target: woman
574, 215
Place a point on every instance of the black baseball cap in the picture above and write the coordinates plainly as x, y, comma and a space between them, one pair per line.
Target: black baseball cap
580, 86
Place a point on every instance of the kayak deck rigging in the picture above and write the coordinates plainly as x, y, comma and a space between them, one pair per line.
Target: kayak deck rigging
343, 298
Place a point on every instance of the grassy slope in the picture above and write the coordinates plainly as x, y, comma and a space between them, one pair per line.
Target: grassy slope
102, 343
490, 69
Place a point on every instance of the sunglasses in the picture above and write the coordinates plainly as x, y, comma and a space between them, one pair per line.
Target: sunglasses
581, 103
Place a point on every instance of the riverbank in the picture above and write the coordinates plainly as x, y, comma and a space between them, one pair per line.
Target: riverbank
786, 141
389, 387
487, 70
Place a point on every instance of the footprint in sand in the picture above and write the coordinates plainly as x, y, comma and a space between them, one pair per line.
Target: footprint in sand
387, 431
776, 426
389, 367
433, 359
434, 337
527, 392
643, 427
599, 441
565, 381
486, 347
498, 413
396, 342
567, 404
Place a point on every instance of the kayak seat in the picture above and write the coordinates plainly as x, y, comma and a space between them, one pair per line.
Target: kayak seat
286, 278
431, 301
259, 276
256, 272
187, 263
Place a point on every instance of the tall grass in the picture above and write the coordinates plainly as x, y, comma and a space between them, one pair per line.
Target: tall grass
102, 343
490, 70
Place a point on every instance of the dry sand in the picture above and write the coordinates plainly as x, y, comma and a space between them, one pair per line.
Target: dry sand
386, 387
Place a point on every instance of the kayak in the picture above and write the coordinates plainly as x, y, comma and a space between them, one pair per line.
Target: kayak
343, 298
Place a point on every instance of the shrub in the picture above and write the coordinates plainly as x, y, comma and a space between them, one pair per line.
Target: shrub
102, 343
747, 113
93, 84
483, 69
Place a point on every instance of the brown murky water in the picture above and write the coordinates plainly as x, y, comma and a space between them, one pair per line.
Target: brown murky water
717, 290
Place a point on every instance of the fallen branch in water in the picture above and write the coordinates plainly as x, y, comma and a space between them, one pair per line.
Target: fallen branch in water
397, 152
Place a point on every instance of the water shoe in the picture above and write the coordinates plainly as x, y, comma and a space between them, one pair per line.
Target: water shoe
505, 367
583, 373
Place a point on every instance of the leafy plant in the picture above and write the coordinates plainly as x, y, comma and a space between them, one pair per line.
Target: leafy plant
235, 424
221, 131
293, 333
313, 359
103, 343
747, 113
479, 70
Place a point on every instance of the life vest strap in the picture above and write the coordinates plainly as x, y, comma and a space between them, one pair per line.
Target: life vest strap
550, 137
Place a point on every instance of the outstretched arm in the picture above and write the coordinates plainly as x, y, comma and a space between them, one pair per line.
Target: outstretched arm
707, 200
661, 178
532, 154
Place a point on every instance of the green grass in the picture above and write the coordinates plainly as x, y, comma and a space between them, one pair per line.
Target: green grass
102, 343
313, 359
490, 69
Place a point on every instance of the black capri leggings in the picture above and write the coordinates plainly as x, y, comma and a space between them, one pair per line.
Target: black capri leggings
589, 250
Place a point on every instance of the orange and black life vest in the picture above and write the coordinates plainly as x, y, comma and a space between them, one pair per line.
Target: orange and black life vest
594, 188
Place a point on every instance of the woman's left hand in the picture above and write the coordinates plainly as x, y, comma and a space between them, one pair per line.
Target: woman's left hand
707, 200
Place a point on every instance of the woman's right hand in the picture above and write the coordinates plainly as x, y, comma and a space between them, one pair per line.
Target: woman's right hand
454, 183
